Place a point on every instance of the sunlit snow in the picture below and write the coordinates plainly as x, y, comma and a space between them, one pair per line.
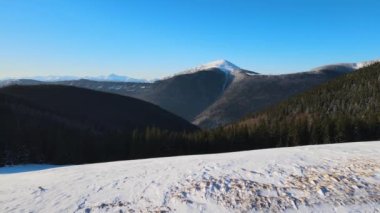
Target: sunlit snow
322, 178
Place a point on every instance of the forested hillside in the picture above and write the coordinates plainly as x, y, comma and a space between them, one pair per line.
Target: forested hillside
344, 109
61, 124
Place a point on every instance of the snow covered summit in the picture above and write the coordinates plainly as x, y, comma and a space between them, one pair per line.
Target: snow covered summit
365, 63
345, 67
222, 65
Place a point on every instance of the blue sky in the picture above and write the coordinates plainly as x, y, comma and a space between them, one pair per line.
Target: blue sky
149, 39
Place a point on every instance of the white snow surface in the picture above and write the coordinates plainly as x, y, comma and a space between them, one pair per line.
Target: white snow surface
320, 178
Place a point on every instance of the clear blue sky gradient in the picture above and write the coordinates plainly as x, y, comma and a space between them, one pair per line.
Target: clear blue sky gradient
149, 39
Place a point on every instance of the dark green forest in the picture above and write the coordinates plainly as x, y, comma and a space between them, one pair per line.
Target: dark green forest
346, 109
342, 110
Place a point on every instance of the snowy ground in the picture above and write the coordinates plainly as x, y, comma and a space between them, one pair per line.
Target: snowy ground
325, 178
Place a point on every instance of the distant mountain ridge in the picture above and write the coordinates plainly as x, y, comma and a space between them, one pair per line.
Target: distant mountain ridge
216, 93
345, 67
53, 78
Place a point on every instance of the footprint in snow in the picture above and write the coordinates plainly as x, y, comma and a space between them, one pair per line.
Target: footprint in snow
41, 189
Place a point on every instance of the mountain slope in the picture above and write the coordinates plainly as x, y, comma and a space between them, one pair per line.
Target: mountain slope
323, 178
341, 110
186, 94
104, 109
189, 93
344, 109
252, 93
219, 92
64, 124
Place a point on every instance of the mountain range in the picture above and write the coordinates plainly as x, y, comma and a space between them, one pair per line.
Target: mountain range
341, 110
67, 124
53, 78
213, 94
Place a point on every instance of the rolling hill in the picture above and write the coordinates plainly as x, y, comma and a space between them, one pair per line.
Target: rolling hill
104, 109
62, 124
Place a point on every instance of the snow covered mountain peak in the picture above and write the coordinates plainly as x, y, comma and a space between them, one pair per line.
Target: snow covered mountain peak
345, 67
222, 65
365, 63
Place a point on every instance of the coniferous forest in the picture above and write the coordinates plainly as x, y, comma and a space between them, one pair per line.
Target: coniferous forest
342, 110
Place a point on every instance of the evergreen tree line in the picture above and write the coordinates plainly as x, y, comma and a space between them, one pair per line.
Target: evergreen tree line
343, 110
346, 109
